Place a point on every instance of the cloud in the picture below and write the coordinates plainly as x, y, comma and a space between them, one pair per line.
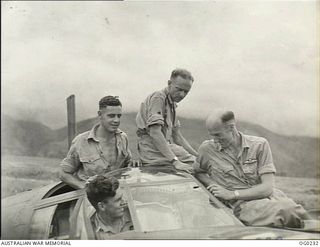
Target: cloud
257, 58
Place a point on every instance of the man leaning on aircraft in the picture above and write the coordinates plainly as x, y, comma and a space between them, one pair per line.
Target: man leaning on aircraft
159, 137
236, 168
102, 149
239, 170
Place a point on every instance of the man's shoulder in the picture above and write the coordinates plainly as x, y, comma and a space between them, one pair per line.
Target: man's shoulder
82, 136
254, 139
158, 94
209, 144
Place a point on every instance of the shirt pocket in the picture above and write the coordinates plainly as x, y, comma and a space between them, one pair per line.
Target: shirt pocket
94, 165
223, 171
250, 166
223, 175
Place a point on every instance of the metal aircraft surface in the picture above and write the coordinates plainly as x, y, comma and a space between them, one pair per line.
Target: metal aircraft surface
162, 202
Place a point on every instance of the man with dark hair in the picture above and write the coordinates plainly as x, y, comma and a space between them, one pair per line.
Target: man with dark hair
240, 171
102, 149
160, 141
111, 215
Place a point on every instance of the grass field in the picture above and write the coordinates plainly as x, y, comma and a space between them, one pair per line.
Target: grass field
20, 173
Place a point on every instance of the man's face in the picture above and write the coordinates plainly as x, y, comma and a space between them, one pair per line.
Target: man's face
222, 135
179, 88
110, 117
114, 206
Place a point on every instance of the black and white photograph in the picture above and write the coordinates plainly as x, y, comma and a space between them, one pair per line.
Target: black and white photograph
160, 120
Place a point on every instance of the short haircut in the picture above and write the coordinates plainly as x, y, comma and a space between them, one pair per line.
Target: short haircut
109, 101
227, 116
220, 116
100, 188
185, 74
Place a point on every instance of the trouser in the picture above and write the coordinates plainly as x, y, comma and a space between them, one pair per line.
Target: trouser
150, 155
274, 211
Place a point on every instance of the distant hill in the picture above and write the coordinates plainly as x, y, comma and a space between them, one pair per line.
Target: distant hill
23, 137
293, 156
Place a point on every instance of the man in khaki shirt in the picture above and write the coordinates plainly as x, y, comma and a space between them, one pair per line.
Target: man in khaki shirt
111, 214
240, 171
160, 141
102, 149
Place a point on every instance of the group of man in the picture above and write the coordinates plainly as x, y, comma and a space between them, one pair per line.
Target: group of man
236, 168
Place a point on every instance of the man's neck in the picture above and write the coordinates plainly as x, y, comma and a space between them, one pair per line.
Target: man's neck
235, 145
237, 141
103, 134
110, 221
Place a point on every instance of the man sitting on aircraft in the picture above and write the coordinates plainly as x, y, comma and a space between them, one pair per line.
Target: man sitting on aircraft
240, 171
111, 216
160, 140
102, 149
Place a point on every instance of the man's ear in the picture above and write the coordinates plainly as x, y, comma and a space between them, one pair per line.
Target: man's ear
99, 113
169, 82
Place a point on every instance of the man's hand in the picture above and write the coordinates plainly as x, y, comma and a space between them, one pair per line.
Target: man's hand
183, 167
221, 192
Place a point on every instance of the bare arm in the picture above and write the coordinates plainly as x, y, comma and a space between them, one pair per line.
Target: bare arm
160, 142
71, 180
179, 139
69, 166
259, 191
162, 145
204, 178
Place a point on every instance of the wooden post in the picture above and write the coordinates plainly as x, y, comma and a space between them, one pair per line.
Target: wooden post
71, 112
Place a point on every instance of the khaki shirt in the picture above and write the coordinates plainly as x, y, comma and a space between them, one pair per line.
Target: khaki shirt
103, 232
85, 159
243, 172
158, 108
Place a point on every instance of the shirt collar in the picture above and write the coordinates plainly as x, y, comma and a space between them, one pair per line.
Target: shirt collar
93, 133
244, 143
106, 228
166, 91
170, 100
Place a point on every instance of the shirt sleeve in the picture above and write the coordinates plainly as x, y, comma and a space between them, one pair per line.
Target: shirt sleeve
155, 111
71, 163
265, 164
128, 158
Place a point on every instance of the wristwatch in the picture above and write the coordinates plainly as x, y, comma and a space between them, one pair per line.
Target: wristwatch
174, 160
236, 194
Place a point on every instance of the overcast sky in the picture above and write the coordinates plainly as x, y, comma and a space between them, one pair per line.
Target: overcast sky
259, 59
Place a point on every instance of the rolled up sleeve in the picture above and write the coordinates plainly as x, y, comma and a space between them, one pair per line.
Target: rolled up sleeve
155, 111
265, 164
71, 163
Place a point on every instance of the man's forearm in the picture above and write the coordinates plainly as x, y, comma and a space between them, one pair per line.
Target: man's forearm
259, 191
71, 180
204, 178
162, 145
256, 192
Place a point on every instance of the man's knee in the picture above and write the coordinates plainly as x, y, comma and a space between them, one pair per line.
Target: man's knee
291, 213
